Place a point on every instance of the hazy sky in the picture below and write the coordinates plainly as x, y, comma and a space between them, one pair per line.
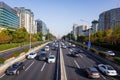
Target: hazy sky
60, 15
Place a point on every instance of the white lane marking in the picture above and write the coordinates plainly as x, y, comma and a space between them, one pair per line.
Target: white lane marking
76, 63
2, 76
29, 66
103, 77
80, 55
43, 66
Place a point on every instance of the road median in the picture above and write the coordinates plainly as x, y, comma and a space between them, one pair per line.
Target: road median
62, 66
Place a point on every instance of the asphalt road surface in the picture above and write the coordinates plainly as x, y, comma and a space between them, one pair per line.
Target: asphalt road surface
37, 70
75, 66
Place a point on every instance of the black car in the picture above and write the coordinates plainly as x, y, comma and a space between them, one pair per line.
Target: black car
15, 68
74, 53
42, 55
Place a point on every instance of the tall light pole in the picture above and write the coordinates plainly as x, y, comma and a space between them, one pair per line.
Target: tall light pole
30, 35
89, 42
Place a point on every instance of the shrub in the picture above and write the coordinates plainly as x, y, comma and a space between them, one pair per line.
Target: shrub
2, 60
85, 47
25, 50
117, 59
16, 54
103, 54
93, 50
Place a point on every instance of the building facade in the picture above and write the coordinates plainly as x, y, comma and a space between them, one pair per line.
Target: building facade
109, 19
26, 19
41, 27
75, 29
8, 17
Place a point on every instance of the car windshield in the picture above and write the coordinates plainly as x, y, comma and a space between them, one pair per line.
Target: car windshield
51, 57
32, 53
15, 65
110, 68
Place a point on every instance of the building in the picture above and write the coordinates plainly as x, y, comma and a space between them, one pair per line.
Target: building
75, 29
8, 17
109, 19
81, 30
94, 26
41, 27
26, 19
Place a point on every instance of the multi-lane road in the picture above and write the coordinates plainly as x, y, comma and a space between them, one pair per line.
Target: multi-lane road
37, 70
74, 67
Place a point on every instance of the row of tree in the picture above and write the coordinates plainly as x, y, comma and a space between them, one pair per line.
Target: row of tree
21, 35
108, 39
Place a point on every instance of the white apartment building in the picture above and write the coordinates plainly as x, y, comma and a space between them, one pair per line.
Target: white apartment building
26, 19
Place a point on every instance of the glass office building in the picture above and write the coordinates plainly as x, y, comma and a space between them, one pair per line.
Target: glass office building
8, 17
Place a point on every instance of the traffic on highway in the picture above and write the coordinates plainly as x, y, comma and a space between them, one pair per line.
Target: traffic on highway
44, 64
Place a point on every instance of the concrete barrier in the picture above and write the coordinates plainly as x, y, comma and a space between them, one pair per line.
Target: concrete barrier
62, 66
8, 63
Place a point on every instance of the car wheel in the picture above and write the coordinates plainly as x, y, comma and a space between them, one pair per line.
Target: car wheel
18, 72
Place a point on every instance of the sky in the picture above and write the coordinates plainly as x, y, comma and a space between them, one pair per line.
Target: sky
60, 15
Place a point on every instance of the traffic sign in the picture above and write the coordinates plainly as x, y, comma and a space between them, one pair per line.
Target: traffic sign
89, 44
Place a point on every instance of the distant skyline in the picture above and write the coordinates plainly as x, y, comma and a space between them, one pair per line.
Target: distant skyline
60, 15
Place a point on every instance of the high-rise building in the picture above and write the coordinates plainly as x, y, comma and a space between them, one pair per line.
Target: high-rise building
109, 19
81, 30
74, 29
41, 27
26, 19
8, 17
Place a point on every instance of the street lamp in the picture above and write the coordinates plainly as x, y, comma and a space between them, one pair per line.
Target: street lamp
30, 35
89, 42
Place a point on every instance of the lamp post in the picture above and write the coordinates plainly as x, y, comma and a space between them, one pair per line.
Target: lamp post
30, 35
89, 42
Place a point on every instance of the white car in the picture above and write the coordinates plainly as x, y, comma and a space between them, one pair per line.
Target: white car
111, 53
32, 55
51, 59
107, 69
47, 48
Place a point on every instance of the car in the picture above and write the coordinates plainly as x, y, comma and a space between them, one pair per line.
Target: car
110, 53
74, 53
47, 48
42, 56
73, 45
92, 72
51, 58
15, 68
53, 48
64, 47
107, 70
32, 55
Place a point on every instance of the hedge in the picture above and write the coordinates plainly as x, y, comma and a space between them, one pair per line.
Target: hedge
101, 53
93, 50
117, 59
2, 60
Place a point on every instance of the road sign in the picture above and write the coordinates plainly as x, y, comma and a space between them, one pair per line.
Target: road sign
89, 44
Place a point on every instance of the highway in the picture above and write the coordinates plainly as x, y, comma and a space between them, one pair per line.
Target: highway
75, 66
37, 70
